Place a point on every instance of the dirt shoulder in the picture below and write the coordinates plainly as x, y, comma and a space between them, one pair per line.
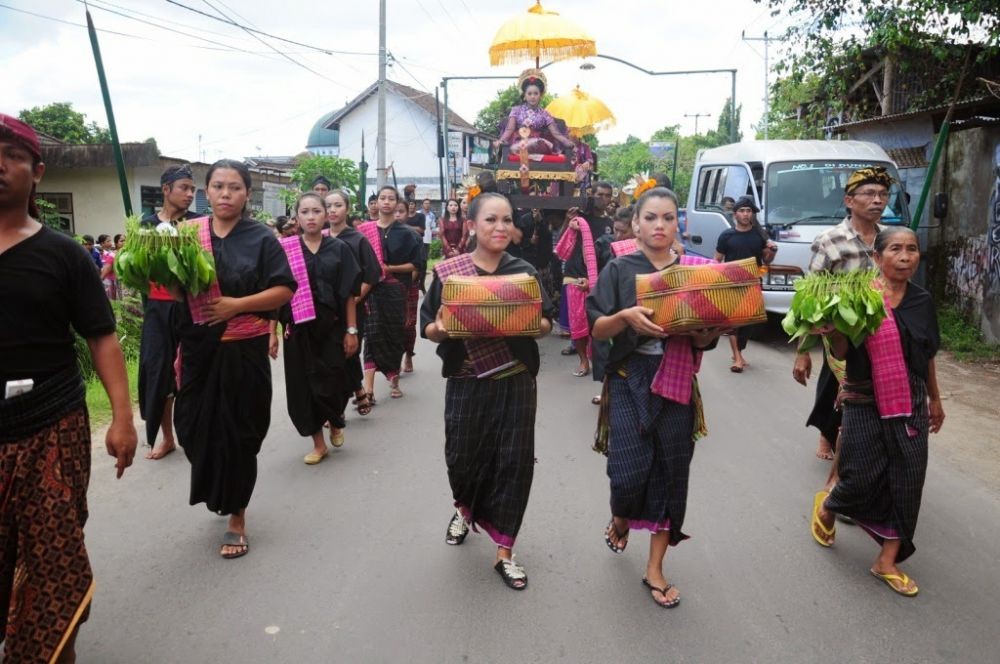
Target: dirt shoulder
970, 438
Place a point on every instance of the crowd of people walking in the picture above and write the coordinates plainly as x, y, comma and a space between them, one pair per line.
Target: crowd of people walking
342, 300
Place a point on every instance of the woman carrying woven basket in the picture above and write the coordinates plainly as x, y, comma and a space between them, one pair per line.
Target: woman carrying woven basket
890, 403
653, 406
490, 398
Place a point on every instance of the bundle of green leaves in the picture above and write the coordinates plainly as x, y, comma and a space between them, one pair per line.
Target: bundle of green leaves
173, 258
847, 300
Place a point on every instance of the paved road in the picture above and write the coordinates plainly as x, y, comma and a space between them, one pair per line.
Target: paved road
348, 562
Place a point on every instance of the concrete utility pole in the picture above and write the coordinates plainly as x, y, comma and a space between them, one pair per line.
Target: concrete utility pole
696, 116
380, 138
767, 72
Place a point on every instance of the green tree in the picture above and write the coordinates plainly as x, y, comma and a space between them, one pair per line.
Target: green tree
493, 116
829, 39
791, 115
342, 173
59, 120
619, 162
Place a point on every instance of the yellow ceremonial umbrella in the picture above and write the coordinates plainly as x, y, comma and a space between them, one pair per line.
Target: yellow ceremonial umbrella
539, 32
583, 113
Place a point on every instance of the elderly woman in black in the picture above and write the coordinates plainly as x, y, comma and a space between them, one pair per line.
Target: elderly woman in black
891, 402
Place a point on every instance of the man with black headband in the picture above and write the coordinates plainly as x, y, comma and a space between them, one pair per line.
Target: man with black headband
321, 185
845, 247
158, 348
48, 287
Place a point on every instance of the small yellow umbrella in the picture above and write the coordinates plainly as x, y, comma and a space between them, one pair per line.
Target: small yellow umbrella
539, 32
583, 114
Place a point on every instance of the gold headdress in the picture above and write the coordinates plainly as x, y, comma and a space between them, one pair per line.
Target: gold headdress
532, 76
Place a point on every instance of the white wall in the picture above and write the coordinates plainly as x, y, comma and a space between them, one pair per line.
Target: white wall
97, 199
411, 141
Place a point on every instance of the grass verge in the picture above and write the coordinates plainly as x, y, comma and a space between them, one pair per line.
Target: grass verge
964, 339
97, 399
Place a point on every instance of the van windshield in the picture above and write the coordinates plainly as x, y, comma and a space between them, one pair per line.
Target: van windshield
812, 192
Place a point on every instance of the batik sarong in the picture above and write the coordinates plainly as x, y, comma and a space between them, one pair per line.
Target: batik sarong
385, 341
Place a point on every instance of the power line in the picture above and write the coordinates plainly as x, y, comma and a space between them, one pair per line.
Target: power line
251, 32
230, 21
98, 4
448, 14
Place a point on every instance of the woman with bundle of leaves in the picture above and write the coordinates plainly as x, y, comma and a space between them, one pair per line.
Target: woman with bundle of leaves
890, 403
223, 407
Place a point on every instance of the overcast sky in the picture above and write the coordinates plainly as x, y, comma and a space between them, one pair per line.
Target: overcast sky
253, 101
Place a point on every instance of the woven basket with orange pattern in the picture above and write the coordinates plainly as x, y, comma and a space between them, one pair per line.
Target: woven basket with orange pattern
689, 297
494, 306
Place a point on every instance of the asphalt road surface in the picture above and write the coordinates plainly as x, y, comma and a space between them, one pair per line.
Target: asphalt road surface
348, 563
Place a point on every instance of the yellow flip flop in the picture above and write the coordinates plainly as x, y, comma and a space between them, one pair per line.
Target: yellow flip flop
829, 532
903, 580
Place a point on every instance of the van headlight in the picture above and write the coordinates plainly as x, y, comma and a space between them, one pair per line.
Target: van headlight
778, 279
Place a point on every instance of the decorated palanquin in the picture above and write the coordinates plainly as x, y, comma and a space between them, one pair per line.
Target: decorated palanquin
492, 306
689, 297
536, 156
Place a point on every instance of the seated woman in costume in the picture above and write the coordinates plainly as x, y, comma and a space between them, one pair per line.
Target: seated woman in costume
544, 133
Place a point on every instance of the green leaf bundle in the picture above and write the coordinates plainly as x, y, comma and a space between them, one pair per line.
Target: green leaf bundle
846, 300
171, 258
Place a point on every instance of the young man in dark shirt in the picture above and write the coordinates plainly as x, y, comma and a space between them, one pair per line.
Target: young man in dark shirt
47, 285
746, 240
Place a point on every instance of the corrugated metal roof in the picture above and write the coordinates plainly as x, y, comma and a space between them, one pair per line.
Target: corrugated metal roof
895, 117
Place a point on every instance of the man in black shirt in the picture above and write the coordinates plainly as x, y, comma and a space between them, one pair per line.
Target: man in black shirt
158, 349
47, 285
746, 240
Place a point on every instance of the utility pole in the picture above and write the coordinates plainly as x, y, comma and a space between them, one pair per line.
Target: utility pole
380, 138
767, 72
696, 116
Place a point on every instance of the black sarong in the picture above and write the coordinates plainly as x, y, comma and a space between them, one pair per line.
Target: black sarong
490, 450
222, 414
157, 352
315, 380
650, 450
825, 415
384, 334
882, 469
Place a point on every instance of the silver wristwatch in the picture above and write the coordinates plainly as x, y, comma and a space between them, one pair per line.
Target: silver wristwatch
352, 330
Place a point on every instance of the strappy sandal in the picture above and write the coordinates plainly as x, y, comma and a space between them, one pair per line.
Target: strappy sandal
395, 392
458, 530
621, 537
663, 591
365, 404
512, 574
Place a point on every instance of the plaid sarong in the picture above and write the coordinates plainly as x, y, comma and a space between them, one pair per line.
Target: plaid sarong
624, 247
488, 356
679, 365
303, 309
889, 375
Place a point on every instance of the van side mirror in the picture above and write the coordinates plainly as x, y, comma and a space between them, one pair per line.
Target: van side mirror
940, 205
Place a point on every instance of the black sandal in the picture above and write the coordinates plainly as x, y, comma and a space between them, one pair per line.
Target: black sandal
663, 591
364, 404
622, 537
234, 540
458, 530
512, 574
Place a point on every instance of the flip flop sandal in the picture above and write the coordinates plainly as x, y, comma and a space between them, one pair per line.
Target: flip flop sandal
622, 537
396, 393
234, 539
580, 373
736, 368
512, 574
817, 523
596, 400
663, 591
566, 352
903, 581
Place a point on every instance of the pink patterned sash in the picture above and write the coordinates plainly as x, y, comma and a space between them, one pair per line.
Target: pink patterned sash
679, 365
196, 302
890, 378
303, 309
566, 244
370, 230
488, 356
625, 247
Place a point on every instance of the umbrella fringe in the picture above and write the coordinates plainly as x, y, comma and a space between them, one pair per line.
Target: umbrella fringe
504, 55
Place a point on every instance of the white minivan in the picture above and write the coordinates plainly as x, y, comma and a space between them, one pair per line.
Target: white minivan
799, 188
